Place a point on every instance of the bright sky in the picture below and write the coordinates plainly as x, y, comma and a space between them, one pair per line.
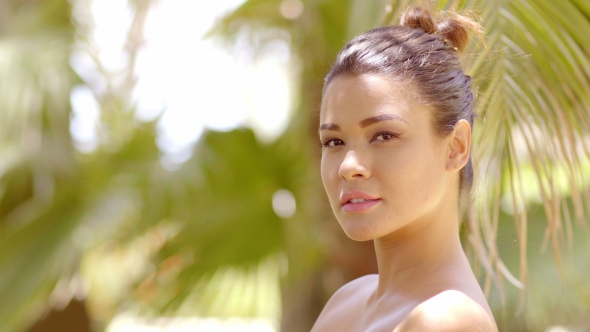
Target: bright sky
197, 83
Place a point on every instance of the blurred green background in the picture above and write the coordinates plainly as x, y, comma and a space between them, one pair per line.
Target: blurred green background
147, 185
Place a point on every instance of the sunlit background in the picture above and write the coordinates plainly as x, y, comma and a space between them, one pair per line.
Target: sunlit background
159, 163
189, 82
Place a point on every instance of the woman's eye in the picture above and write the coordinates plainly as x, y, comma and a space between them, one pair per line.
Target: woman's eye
331, 143
384, 136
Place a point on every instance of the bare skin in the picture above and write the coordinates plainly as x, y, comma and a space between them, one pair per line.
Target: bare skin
425, 282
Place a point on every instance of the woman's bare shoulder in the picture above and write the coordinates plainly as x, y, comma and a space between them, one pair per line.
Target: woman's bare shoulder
344, 303
448, 311
357, 286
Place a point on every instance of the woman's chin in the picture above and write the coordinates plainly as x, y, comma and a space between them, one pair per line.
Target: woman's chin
360, 235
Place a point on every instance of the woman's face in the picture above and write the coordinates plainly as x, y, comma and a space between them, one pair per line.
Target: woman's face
382, 166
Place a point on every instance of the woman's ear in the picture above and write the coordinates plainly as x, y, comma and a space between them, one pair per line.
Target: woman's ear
459, 146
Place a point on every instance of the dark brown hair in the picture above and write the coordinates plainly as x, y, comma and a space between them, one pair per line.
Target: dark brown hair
424, 52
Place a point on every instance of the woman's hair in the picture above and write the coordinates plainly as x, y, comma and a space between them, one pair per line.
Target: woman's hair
424, 52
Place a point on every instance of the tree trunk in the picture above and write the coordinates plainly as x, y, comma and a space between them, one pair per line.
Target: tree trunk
73, 318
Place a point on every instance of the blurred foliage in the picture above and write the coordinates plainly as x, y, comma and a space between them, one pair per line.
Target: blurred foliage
115, 228
555, 298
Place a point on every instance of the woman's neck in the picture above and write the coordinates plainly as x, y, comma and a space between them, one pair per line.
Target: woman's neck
420, 254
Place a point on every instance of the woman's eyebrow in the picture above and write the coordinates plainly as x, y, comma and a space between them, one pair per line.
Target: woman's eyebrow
366, 122
383, 117
330, 126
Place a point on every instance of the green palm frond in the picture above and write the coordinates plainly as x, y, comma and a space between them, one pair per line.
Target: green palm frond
223, 198
48, 191
531, 143
36, 155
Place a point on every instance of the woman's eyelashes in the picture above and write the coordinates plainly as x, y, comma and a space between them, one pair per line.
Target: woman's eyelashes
331, 143
382, 136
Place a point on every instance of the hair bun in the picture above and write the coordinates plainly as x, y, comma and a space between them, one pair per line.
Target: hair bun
416, 17
454, 28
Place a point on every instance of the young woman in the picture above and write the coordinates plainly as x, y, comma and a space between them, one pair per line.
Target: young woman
395, 127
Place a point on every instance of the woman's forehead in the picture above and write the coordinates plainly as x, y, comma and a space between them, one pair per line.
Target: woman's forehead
353, 98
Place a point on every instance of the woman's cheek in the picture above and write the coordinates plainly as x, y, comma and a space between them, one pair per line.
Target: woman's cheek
329, 173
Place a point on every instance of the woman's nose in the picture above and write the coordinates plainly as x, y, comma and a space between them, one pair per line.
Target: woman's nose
352, 167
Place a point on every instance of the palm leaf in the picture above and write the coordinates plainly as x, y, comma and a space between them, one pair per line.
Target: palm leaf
50, 193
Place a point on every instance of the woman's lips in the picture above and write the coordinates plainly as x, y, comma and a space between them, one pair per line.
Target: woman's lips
349, 195
361, 206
